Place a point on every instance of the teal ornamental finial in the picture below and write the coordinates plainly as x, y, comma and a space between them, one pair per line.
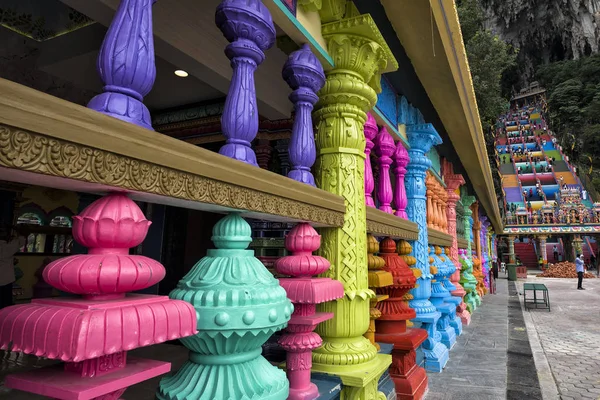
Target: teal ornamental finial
239, 305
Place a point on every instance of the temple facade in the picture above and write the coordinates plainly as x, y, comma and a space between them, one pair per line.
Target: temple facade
296, 191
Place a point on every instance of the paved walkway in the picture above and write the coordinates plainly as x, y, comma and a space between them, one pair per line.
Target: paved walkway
569, 337
477, 367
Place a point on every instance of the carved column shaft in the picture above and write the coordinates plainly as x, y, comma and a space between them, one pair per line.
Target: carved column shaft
340, 167
543, 249
249, 27
370, 131
304, 73
126, 64
421, 138
511, 250
401, 160
384, 147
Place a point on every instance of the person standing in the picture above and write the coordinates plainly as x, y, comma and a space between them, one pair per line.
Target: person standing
580, 271
8, 248
555, 252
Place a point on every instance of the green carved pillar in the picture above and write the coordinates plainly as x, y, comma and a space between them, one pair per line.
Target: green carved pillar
360, 56
467, 279
239, 305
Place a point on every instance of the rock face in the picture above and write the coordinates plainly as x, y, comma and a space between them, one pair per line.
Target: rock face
545, 30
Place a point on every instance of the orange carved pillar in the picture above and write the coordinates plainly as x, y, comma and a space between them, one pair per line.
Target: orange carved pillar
453, 183
429, 194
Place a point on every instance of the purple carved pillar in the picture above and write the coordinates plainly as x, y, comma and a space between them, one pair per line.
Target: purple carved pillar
248, 25
384, 147
304, 74
401, 160
370, 131
126, 64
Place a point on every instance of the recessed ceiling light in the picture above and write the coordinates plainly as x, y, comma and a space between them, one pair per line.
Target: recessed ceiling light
181, 73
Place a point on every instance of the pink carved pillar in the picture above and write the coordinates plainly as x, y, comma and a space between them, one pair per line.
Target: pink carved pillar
401, 160
453, 182
305, 293
92, 333
370, 131
384, 147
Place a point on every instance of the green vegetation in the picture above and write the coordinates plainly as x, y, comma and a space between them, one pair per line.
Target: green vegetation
573, 92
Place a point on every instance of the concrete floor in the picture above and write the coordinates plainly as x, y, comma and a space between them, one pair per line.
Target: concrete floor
477, 366
569, 338
492, 359
177, 355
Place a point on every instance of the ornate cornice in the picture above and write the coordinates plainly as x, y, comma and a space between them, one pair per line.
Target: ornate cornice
41, 134
462, 243
27, 151
380, 223
439, 238
551, 229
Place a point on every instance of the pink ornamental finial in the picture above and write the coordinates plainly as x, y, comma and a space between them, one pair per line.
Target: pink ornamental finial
370, 131
302, 241
305, 293
108, 227
384, 147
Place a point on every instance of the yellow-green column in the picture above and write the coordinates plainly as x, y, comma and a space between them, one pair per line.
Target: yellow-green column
360, 56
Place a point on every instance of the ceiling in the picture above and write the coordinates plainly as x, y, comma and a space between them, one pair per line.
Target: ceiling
60, 58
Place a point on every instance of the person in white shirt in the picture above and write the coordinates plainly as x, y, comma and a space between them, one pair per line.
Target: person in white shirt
8, 248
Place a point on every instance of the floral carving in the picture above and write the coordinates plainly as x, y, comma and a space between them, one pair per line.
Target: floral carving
32, 152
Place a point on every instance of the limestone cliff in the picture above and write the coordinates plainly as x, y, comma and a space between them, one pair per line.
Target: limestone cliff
545, 30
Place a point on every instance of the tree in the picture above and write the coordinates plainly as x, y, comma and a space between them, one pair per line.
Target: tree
573, 90
489, 57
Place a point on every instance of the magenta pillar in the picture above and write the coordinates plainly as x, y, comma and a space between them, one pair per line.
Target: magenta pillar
370, 131
305, 293
92, 332
126, 64
384, 148
401, 160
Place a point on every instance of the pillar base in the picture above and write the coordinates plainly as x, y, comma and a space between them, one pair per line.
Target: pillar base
448, 335
386, 384
512, 272
463, 314
435, 353
436, 358
455, 322
359, 381
410, 378
471, 301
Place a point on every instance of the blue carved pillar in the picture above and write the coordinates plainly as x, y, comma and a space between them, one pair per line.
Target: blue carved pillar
441, 298
126, 64
249, 27
304, 73
455, 323
421, 138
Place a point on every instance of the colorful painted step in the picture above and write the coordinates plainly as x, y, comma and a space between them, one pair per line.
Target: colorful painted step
568, 178
507, 169
513, 195
553, 153
510, 181
526, 253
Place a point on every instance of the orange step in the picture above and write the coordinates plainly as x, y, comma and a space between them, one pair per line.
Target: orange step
510, 181
568, 177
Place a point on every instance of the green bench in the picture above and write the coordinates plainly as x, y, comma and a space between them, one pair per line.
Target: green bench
535, 288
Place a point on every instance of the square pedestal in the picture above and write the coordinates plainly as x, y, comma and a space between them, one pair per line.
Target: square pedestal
55, 382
